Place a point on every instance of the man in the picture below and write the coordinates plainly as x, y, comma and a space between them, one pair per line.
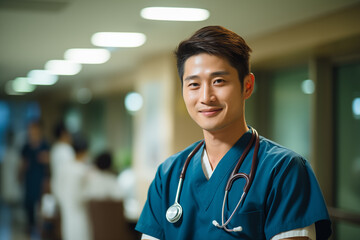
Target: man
34, 171
284, 200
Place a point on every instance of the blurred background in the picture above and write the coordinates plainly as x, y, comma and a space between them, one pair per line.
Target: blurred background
126, 99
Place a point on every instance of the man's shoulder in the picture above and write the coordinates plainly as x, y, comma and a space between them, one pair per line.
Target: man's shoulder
60, 146
273, 147
177, 159
61, 152
277, 154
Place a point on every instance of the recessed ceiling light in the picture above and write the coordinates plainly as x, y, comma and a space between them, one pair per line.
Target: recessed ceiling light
87, 55
10, 90
63, 67
118, 39
133, 101
84, 95
22, 85
308, 86
175, 14
356, 108
42, 77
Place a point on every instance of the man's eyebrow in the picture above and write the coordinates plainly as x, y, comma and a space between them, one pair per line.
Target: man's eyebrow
191, 77
219, 73
213, 74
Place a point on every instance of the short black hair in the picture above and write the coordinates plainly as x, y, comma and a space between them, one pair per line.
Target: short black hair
218, 41
59, 129
104, 160
80, 144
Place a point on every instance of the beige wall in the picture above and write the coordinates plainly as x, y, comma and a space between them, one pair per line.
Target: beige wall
153, 124
163, 126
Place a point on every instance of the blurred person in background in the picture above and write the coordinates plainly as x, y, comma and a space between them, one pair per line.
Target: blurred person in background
61, 154
10, 186
74, 215
101, 183
34, 171
106, 192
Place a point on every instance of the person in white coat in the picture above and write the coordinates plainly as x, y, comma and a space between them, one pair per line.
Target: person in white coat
61, 154
75, 220
101, 182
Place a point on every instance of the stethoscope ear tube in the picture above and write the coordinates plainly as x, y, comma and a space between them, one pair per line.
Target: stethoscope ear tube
174, 212
254, 162
234, 175
248, 182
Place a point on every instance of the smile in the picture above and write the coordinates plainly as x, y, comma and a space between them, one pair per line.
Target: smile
210, 112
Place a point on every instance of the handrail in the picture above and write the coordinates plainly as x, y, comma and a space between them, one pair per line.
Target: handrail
338, 214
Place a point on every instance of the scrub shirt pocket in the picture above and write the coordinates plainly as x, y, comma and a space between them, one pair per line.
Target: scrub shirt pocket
251, 223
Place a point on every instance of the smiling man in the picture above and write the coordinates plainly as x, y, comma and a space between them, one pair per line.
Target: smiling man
238, 185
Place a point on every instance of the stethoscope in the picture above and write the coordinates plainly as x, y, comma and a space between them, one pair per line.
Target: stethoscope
174, 213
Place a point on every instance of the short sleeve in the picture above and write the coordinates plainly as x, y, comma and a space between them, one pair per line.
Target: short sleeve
150, 221
295, 199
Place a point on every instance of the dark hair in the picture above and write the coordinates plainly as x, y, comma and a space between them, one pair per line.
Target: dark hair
59, 129
80, 144
218, 41
103, 161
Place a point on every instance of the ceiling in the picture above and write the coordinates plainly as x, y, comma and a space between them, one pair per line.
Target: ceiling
33, 32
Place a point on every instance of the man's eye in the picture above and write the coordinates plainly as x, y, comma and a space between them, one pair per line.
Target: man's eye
219, 81
193, 85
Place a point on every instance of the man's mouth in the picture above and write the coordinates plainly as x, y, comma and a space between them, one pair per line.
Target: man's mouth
210, 111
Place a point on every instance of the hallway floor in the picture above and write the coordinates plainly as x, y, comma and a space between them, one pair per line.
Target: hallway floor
12, 223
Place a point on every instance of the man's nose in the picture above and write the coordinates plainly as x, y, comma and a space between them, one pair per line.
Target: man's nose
207, 94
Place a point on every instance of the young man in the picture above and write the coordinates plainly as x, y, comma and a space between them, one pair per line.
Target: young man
283, 199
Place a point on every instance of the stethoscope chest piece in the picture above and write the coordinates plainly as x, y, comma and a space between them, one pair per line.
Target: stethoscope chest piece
174, 213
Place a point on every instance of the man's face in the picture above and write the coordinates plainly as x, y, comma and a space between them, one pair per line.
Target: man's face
34, 133
212, 92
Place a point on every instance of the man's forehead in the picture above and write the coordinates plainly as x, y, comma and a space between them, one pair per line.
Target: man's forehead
212, 74
210, 64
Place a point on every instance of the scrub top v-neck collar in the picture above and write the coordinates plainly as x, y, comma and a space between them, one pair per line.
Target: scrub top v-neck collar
207, 189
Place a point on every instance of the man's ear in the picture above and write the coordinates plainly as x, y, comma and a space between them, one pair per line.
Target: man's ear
249, 82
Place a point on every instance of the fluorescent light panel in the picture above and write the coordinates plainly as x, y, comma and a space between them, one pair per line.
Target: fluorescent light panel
87, 55
9, 89
175, 14
63, 67
22, 85
42, 77
118, 39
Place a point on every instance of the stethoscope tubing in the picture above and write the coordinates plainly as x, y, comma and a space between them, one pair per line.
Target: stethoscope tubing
170, 215
248, 181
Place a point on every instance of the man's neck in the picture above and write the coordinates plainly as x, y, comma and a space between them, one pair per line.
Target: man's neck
218, 143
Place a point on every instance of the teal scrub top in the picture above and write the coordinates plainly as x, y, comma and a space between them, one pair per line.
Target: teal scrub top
284, 195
